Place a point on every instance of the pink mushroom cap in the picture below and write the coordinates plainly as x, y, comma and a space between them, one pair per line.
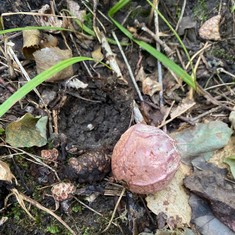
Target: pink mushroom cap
145, 158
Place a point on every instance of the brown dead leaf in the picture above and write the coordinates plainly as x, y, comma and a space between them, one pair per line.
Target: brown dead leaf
140, 76
150, 86
5, 172
31, 40
97, 54
74, 8
35, 40
210, 29
182, 108
173, 201
52, 20
47, 57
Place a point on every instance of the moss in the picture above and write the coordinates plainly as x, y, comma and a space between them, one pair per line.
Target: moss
200, 10
223, 54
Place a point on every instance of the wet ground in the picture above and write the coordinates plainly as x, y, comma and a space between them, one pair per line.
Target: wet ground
93, 119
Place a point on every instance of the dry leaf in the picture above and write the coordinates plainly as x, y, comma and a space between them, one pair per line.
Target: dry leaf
47, 57
97, 54
140, 76
210, 29
173, 201
150, 86
5, 172
182, 108
34, 40
186, 23
50, 20
48, 40
74, 8
31, 40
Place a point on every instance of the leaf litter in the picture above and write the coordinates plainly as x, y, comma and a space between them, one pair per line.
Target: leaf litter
94, 112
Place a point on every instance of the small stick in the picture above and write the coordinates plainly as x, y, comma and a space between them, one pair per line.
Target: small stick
110, 56
128, 67
181, 15
115, 209
166, 48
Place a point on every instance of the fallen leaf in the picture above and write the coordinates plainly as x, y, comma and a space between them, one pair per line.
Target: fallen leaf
47, 57
186, 23
5, 172
76, 84
210, 183
202, 138
204, 220
74, 9
210, 29
185, 105
31, 40
97, 54
28, 131
173, 200
150, 86
231, 162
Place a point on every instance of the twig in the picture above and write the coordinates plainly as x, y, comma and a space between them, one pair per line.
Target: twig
41, 207
13, 55
128, 67
36, 159
166, 48
205, 113
210, 98
115, 209
181, 15
110, 56
159, 65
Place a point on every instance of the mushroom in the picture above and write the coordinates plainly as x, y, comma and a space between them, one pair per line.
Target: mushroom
145, 158
89, 167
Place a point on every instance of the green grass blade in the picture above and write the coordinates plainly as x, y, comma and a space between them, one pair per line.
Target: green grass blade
31, 28
151, 50
40, 78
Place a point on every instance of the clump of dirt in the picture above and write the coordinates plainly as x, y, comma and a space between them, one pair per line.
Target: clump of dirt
99, 116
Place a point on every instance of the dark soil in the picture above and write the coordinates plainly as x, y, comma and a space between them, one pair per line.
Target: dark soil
94, 118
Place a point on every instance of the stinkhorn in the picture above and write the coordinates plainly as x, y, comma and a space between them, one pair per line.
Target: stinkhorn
145, 159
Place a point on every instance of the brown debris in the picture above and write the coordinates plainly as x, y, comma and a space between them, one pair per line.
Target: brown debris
89, 167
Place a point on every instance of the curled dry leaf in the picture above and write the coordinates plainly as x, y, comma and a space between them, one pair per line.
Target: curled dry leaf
150, 86
35, 40
75, 83
97, 54
31, 40
47, 57
63, 191
210, 29
5, 172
